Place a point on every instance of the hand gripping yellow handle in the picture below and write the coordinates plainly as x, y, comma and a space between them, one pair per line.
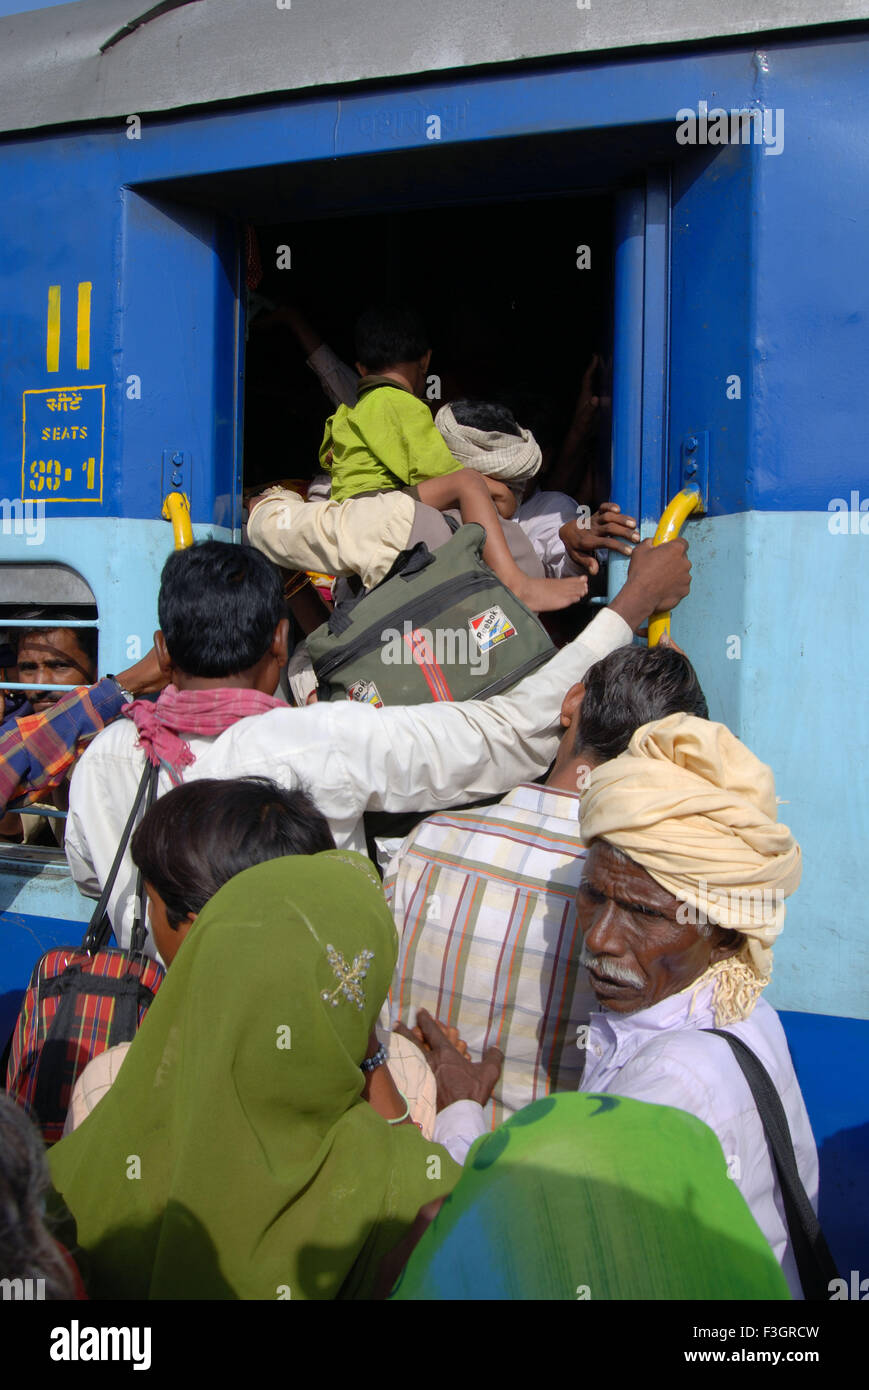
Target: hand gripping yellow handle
673, 517
176, 509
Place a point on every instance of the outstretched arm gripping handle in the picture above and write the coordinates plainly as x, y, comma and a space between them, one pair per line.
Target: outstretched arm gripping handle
673, 518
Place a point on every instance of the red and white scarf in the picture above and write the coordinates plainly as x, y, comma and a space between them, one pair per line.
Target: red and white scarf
160, 723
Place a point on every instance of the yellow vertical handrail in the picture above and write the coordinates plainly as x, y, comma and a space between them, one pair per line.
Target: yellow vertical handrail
176, 509
673, 518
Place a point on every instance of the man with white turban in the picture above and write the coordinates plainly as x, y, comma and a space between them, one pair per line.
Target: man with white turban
680, 903
486, 436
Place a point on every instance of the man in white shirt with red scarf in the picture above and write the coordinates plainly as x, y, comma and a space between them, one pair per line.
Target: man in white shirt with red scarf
223, 642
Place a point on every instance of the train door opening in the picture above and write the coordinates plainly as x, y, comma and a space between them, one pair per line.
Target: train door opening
528, 257
517, 298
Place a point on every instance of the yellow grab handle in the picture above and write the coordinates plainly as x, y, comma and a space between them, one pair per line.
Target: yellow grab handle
176, 509
673, 518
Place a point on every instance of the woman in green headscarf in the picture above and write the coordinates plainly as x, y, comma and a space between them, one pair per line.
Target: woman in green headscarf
607, 1199
234, 1156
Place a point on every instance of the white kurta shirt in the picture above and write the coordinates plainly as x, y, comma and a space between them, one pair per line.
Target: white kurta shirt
660, 1055
348, 756
541, 518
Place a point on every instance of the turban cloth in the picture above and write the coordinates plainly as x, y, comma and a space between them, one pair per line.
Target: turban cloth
510, 457
692, 806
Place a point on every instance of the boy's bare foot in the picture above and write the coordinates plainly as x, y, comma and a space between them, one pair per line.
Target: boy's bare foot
547, 595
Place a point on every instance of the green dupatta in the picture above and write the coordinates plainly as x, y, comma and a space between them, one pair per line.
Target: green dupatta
233, 1157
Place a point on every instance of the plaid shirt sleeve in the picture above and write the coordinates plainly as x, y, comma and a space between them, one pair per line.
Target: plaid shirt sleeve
39, 750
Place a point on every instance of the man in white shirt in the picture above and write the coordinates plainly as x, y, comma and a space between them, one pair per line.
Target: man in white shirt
224, 643
681, 899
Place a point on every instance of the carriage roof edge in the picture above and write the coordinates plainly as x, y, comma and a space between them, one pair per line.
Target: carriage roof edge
101, 59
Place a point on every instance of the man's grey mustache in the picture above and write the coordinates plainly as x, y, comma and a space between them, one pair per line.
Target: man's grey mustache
608, 968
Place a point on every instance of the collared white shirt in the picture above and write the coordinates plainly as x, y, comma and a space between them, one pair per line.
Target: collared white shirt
541, 518
661, 1055
457, 1126
348, 756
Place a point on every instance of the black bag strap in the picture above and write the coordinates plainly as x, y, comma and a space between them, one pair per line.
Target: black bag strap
418, 559
100, 928
139, 932
406, 565
815, 1263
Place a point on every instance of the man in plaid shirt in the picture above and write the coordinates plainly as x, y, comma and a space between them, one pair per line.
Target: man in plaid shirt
485, 899
38, 750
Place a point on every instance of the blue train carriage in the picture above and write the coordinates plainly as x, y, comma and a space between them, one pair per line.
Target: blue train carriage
716, 195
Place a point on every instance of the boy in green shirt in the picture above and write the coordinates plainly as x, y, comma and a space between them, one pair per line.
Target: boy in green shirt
388, 440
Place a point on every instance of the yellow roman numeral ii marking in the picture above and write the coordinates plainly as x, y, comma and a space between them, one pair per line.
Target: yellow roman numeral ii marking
83, 327
52, 336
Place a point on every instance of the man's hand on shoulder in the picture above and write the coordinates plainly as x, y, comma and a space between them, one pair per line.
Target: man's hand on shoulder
659, 577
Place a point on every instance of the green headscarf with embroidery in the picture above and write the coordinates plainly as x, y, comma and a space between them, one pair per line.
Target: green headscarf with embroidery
234, 1157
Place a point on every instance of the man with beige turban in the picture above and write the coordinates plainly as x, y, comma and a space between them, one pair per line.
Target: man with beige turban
680, 903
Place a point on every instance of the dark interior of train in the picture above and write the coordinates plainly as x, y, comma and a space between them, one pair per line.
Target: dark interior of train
515, 309
480, 235
518, 301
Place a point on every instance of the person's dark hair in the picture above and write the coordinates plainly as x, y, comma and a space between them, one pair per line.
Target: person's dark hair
201, 834
218, 607
86, 637
631, 687
27, 1250
486, 415
390, 333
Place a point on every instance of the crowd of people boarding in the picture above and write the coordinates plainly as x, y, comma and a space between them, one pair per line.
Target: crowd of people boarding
503, 1064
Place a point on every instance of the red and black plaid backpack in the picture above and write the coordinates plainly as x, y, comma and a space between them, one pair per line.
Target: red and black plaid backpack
81, 1000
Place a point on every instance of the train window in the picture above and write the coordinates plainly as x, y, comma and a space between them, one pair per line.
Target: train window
517, 298
48, 644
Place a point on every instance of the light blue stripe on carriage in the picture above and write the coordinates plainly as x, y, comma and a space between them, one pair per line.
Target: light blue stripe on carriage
776, 627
